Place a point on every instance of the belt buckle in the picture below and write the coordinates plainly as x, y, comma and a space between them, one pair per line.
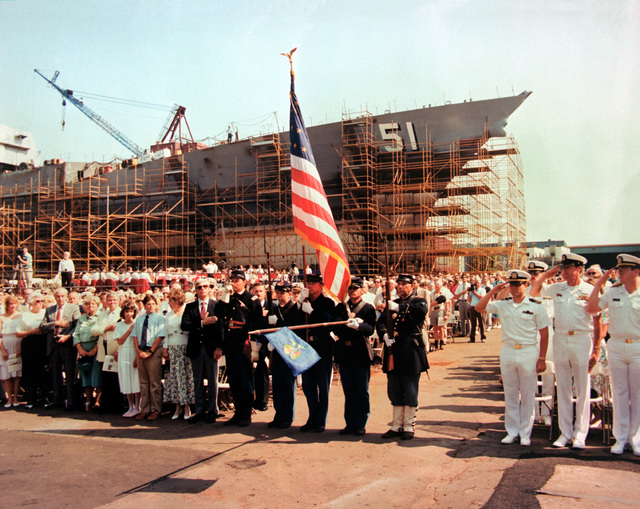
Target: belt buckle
518, 347
628, 340
571, 333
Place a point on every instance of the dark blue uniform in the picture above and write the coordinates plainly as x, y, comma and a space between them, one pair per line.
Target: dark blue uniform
282, 379
354, 356
316, 381
242, 314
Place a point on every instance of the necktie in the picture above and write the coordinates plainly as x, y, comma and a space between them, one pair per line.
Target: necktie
145, 327
58, 317
203, 311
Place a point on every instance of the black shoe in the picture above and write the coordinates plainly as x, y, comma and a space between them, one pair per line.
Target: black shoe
406, 435
233, 421
195, 418
274, 424
52, 406
211, 418
318, 429
261, 407
243, 423
392, 434
360, 432
284, 425
346, 431
306, 428
471, 341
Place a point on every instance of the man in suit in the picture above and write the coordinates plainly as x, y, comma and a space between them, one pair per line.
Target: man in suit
204, 348
58, 323
261, 370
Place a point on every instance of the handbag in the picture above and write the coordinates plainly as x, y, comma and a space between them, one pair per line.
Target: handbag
85, 363
110, 364
14, 364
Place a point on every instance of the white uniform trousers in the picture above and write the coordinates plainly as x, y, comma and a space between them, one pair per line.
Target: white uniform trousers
548, 380
624, 367
571, 360
519, 378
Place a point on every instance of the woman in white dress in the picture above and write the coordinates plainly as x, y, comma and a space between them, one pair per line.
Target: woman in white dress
34, 351
10, 349
178, 387
126, 357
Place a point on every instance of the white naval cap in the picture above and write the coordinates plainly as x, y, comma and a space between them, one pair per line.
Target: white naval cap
536, 266
517, 276
573, 259
627, 260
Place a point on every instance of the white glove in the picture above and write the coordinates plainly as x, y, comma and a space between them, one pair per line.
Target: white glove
387, 340
273, 319
304, 294
354, 323
393, 306
307, 307
270, 347
226, 294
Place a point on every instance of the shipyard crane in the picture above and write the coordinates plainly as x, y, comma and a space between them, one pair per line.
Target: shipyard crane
68, 94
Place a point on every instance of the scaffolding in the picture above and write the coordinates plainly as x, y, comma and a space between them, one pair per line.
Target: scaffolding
448, 207
455, 206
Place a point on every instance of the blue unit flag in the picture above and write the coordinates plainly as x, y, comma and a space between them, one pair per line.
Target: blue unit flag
297, 353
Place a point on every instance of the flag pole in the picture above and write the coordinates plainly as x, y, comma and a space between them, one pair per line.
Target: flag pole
297, 327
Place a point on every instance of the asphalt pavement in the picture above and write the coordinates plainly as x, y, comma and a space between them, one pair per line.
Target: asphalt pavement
52, 458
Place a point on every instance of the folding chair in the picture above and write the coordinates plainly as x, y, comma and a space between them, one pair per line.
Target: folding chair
548, 400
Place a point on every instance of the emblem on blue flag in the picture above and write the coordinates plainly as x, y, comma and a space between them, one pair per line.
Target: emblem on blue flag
297, 353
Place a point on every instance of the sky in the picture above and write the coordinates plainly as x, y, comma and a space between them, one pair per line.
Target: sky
578, 133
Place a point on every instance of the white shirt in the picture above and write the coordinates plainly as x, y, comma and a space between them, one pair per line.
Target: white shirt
520, 322
570, 305
66, 266
461, 288
624, 312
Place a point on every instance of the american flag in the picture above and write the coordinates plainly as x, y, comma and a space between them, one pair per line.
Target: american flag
312, 217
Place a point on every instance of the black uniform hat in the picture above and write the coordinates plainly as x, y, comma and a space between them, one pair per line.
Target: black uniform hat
573, 259
627, 260
238, 274
356, 282
283, 286
404, 278
314, 278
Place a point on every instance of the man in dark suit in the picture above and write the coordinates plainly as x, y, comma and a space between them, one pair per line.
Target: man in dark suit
204, 348
58, 323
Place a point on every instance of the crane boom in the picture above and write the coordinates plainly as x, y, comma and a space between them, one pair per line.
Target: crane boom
68, 94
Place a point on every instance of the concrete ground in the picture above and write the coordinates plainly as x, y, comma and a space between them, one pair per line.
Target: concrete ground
56, 459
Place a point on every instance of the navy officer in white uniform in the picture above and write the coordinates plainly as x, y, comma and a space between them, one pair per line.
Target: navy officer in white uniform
576, 336
521, 358
623, 348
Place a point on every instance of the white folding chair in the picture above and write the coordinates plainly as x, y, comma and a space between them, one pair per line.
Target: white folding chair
548, 400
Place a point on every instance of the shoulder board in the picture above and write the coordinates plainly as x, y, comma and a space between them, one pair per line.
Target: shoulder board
616, 285
254, 297
534, 300
509, 298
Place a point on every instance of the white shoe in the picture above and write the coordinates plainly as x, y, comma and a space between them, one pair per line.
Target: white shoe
526, 442
547, 420
508, 439
7, 405
134, 412
618, 448
128, 413
636, 449
561, 442
176, 416
578, 444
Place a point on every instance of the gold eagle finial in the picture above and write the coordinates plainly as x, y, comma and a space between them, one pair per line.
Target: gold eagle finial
289, 55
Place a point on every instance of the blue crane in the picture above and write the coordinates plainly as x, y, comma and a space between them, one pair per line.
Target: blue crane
68, 94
